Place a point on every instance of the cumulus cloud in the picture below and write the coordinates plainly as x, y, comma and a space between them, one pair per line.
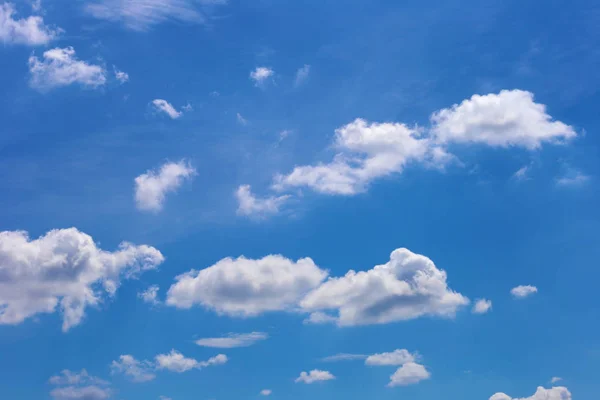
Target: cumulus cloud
313, 376
29, 31
63, 269
397, 357
302, 75
482, 306
150, 295
233, 340
141, 15
152, 187
251, 206
260, 75
176, 362
520, 292
61, 67
246, 287
409, 374
509, 118
367, 151
137, 371
79, 386
166, 108
408, 286
266, 392
555, 393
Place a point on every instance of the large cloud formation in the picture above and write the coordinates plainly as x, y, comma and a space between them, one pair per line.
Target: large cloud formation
63, 269
555, 393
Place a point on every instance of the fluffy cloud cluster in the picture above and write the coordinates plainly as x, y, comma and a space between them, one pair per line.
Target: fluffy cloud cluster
407, 287
79, 386
409, 374
313, 376
233, 340
520, 292
366, 151
482, 306
61, 67
252, 206
142, 371
140, 15
152, 187
28, 31
261, 74
63, 269
166, 108
245, 287
150, 295
555, 393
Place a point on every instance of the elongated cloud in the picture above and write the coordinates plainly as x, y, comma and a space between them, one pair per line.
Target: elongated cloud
313, 376
166, 108
233, 340
520, 292
65, 270
152, 187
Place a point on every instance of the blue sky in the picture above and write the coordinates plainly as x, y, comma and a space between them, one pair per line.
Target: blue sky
212, 199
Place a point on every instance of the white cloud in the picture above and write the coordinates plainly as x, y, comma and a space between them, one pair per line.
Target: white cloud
407, 287
241, 120
482, 306
302, 75
176, 362
150, 295
187, 108
522, 173
64, 269
260, 75
141, 15
319, 317
509, 118
344, 357
36, 5
137, 371
571, 178
397, 357
167, 108
152, 187
91, 392
252, 206
367, 151
266, 392
522, 291
246, 287
121, 76
314, 376
556, 393
555, 379
409, 374
60, 67
233, 340
28, 31
67, 377
164, 398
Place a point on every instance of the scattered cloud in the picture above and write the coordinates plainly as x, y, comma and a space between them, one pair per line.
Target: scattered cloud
141, 15
247, 287
522, 173
29, 31
482, 306
121, 76
152, 187
67, 377
164, 398
344, 357
233, 340
241, 120
175, 362
284, 134
313, 376
166, 108
397, 357
261, 75
409, 374
406, 287
520, 292
91, 392
266, 392
63, 269
36, 5
187, 108
137, 371
302, 75
367, 151
150, 295
252, 206
555, 379
572, 178
556, 393
509, 118
60, 67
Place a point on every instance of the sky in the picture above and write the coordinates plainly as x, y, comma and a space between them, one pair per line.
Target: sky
227, 199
